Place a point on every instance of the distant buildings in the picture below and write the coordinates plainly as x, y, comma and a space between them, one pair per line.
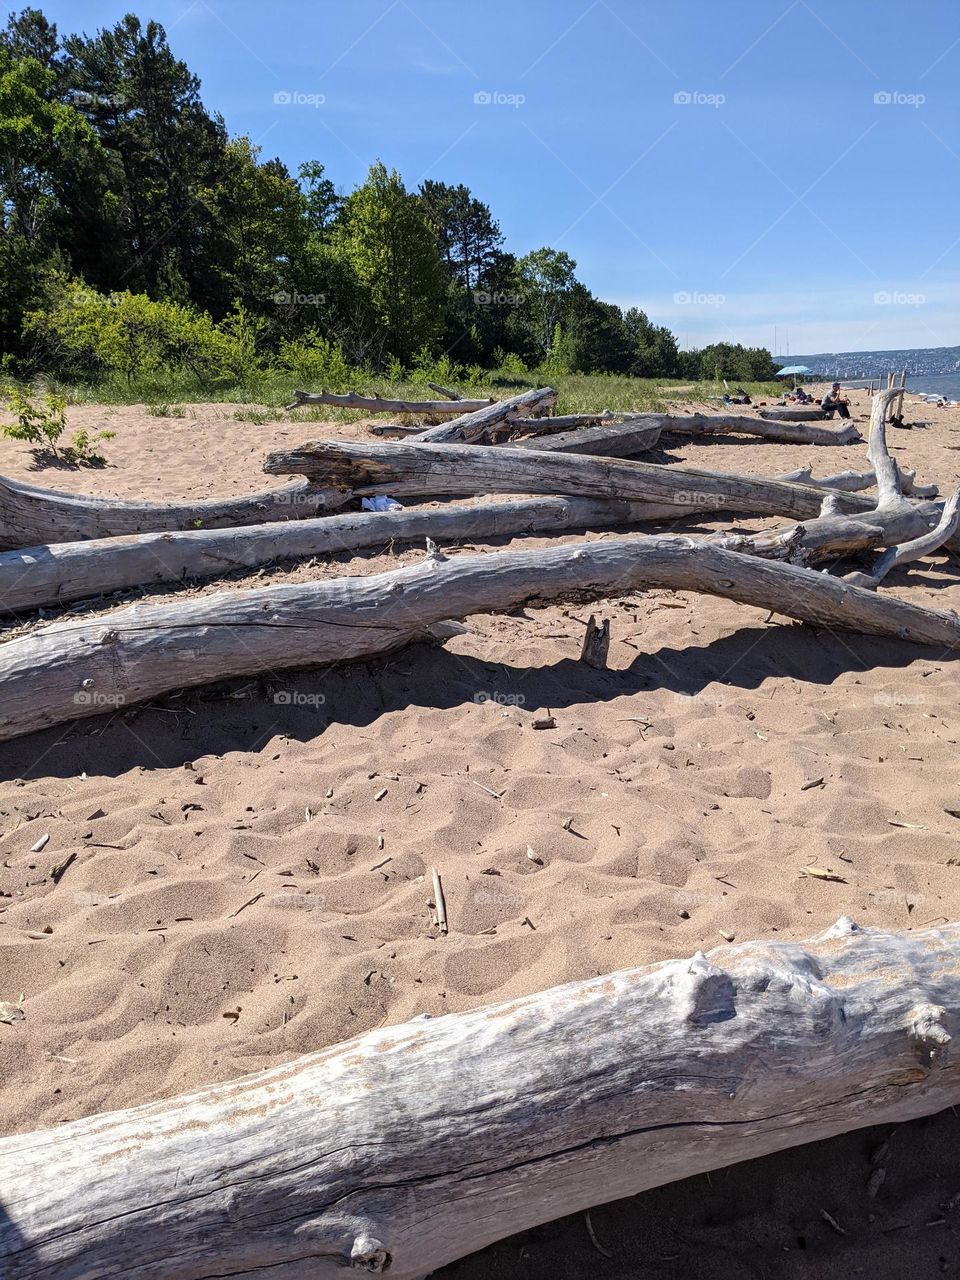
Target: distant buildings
872, 364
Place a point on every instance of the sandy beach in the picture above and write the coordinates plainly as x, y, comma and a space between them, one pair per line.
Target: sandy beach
252, 870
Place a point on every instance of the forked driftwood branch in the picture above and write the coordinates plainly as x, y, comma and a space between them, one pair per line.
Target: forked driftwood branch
77, 668
413, 1145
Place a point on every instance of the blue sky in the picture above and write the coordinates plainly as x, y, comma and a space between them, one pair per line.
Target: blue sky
729, 167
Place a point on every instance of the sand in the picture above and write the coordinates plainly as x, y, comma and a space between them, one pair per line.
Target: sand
252, 872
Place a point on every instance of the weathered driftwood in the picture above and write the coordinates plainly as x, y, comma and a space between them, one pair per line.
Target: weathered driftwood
484, 422
789, 414
741, 424
379, 404
854, 481
412, 467
905, 552
566, 422
909, 529
446, 392
30, 516
413, 1145
79, 668
619, 441
66, 571
891, 501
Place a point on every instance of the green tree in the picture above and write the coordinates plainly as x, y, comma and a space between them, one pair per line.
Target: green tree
393, 250
546, 277
39, 138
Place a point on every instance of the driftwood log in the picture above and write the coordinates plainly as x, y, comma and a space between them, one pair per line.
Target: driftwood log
741, 424
82, 667
789, 414
412, 1145
379, 404
854, 481
619, 441
67, 571
412, 467
30, 516
484, 422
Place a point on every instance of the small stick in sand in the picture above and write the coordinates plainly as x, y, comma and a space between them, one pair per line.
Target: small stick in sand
439, 901
57, 872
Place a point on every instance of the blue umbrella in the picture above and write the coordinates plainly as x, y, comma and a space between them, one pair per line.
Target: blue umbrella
793, 370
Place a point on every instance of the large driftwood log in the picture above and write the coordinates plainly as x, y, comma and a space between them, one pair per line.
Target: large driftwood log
66, 571
742, 424
30, 516
379, 404
619, 441
789, 414
480, 425
80, 668
411, 467
413, 1145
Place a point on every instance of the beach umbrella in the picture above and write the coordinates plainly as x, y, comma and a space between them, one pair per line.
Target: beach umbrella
793, 371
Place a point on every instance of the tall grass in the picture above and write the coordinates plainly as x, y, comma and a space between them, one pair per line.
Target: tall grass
166, 393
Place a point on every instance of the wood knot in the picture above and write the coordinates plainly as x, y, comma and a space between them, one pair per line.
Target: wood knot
108, 637
369, 1254
930, 1036
706, 993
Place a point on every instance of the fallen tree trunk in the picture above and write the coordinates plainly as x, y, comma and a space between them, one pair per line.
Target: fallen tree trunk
30, 516
619, 441
483, 423
741, 424
411, 467
80, 668
793, 415
416, 1144
377, 404
66, 571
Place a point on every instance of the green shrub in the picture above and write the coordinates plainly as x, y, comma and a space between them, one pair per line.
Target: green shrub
312, 360
43, 427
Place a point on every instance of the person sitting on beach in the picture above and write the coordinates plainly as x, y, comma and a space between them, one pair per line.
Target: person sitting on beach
802, 397
833, 402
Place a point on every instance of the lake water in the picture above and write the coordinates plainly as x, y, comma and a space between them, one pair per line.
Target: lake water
936, 384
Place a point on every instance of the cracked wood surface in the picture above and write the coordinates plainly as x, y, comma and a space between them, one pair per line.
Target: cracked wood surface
416, 1144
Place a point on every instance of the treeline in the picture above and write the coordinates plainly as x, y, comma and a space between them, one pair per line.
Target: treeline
136, 233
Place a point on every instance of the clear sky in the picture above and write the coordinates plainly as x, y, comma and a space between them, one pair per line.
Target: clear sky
729, 167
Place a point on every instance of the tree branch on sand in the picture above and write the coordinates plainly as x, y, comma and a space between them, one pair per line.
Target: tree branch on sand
502, 1118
